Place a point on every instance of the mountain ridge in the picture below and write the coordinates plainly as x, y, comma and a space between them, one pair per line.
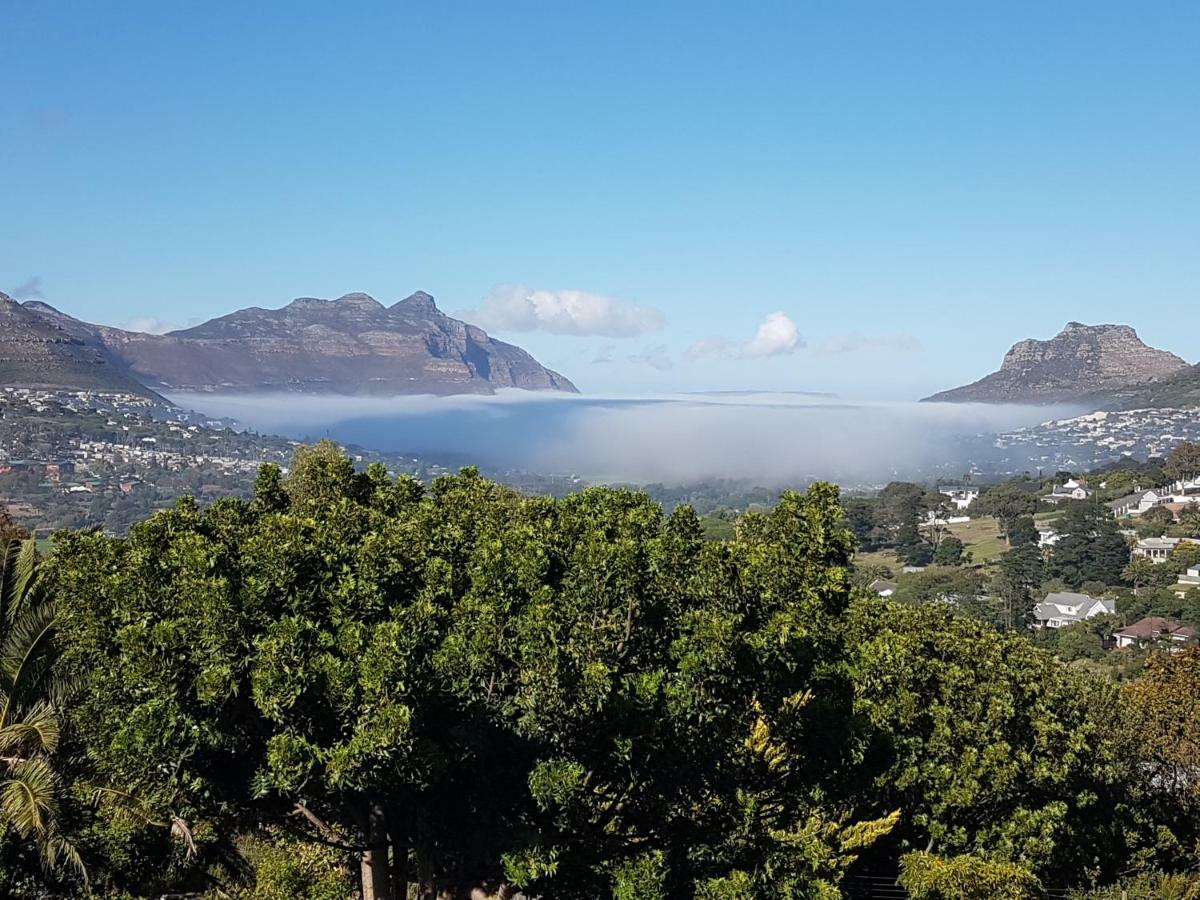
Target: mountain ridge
352, 345
1082, 363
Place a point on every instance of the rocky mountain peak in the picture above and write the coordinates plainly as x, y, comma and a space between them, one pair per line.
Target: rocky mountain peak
1078, 363
359, 299
420, 302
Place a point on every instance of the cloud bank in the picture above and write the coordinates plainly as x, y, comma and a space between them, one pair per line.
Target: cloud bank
770, 439
517, 307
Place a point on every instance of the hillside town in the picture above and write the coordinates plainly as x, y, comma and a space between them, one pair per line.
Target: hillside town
86, 458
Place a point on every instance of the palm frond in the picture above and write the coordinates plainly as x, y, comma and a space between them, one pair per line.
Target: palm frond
57, 852
18, 576
27, 641
28, 800
37, 731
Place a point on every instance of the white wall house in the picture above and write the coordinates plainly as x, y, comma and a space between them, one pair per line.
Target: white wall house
1187, 581
1068, 490
961, 495
1063, 608
1157, 549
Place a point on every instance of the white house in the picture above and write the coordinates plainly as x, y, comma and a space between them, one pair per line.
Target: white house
1157, 549
1048, 537
1063, 608
1136, 504
1068, 490
961, 495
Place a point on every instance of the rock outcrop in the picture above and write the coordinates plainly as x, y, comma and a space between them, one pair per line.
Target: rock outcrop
1082, 363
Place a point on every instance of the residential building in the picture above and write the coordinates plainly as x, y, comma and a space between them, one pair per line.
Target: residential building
1157, 549
1063, 608
1068, 490
961, 495
1136, 504
883, 588
1187, 581
1152, 629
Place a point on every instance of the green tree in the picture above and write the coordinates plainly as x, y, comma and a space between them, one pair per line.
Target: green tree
30, 786
1183, 462
461, 684
1022, 532
1020, 573
1009, 502
986, 744
1090, 549
949, 552
1189, 519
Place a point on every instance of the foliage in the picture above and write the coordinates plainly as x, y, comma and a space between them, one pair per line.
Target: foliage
1090, 549
1163, 711
1183, 462
949, 552
929, 877
30, 693
287, 869
986, 744
1022, 531
475, 683
1147, 886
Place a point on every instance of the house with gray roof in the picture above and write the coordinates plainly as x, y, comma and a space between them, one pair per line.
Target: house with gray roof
1063, 608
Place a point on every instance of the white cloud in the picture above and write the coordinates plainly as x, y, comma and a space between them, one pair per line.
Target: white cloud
655, 357
855, 343
776, 336
516, 307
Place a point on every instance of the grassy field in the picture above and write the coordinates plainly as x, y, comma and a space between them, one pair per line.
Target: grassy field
982, 538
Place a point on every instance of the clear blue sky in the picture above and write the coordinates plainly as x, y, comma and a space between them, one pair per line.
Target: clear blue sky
914, 185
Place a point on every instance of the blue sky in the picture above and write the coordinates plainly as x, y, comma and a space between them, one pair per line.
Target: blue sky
913, 186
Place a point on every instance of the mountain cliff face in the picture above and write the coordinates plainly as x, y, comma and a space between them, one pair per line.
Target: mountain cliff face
52, 351
1084, 363
353, 345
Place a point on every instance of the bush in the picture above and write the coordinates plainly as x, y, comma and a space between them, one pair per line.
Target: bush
1147, 886
929, 877
286, 869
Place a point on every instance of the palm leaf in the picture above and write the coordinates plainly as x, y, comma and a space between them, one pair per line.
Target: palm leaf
36, 732
28, 798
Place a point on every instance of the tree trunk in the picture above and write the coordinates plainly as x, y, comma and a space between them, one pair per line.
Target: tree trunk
376, 869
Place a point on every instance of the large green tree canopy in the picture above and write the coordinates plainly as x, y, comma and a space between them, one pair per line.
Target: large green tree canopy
575, 695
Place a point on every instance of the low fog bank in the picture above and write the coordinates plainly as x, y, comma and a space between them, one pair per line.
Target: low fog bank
771, 439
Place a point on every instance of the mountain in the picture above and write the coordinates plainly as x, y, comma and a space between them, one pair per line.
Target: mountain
1178, 391
1082, 363
353, 345
41, 348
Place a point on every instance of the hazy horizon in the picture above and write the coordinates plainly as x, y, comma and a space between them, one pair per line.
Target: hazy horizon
771, 438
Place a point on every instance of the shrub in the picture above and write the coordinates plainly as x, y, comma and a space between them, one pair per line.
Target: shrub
929, 877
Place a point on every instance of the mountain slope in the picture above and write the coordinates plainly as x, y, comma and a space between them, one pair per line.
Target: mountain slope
1081, 363
1180, 390
352, 345
41, 348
